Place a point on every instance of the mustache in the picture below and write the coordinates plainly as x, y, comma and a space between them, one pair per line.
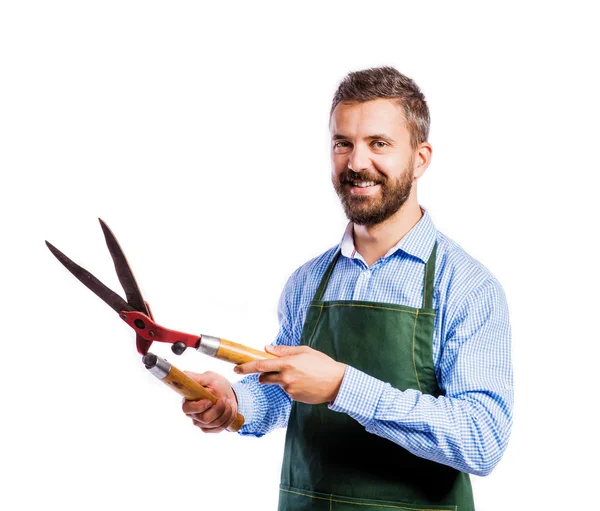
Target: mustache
348, 176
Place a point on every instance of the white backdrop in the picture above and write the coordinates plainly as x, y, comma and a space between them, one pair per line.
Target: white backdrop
199, 134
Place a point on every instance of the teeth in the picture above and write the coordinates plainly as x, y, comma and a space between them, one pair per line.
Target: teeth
363, 184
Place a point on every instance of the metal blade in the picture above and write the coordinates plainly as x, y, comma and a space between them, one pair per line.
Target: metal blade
126, 278
87, 279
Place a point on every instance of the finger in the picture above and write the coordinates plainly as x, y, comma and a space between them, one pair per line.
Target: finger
207, 428
213, 413
190, 407
270, 378
211, 430
284, 351
224, 420
261, 366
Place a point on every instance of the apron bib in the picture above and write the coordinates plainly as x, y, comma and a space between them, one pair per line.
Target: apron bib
330, 461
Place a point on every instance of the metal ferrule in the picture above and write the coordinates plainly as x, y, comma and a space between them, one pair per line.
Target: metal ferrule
209, 345
160, 368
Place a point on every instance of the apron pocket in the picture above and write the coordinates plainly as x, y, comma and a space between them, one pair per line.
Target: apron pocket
297, 499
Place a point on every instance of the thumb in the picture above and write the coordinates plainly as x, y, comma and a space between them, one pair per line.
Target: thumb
282, 351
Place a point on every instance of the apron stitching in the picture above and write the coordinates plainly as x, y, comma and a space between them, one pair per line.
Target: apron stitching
371, 307
328, 275
413, 351
331, 499
425, 286
315, 328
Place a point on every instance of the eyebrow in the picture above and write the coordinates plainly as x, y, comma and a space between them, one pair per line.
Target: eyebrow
380, 136
377, 136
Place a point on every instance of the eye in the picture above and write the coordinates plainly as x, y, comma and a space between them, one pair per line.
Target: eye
379, 144
341, 146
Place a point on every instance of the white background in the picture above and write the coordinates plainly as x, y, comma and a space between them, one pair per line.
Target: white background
198, 132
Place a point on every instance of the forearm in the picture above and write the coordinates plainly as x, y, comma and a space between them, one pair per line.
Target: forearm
468, 432
264, 407
267, 407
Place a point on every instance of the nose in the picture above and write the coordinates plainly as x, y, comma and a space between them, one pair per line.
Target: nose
359, 160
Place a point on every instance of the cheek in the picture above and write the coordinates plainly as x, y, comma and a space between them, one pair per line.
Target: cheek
339, 163
392, 165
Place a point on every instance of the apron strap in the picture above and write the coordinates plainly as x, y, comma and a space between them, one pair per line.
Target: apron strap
325, 280
429, 278
427, 285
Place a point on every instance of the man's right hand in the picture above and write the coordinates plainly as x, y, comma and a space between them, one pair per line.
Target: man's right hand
208, 417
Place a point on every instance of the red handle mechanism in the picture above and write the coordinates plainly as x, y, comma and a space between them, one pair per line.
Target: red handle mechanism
149, 330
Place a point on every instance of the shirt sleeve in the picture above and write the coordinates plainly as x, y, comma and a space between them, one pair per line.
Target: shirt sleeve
469, 425
267, 407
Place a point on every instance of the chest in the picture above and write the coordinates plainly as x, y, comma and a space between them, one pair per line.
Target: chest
399, 282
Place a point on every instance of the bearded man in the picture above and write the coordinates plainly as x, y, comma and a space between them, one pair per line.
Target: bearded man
394, 374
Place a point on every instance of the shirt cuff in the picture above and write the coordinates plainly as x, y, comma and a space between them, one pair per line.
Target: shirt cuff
245, 400
359, 395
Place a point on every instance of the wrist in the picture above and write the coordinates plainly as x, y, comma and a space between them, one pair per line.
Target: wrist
339, 380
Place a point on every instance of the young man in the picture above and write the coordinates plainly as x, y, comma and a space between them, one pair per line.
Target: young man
394, 375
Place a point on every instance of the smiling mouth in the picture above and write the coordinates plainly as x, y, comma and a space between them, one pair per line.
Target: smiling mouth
363, 184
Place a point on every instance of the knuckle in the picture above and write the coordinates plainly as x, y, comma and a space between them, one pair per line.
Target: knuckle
195, 407
222, 422
190, 410
198, 419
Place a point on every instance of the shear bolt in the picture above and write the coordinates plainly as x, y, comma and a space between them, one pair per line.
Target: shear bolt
178, 348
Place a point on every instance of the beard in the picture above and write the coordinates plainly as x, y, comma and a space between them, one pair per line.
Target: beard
368, 210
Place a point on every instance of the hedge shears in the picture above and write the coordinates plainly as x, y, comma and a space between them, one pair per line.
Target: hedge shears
136, 312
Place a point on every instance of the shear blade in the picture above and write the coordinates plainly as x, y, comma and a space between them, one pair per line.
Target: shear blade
92, 283
126, 277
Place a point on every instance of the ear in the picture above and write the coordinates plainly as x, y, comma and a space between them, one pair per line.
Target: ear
422, 159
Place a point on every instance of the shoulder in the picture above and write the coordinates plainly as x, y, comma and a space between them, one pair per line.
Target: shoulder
300, 289
310, 273
461, 279
453, 261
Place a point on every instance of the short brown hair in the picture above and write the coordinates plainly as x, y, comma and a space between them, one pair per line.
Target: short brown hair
387, 82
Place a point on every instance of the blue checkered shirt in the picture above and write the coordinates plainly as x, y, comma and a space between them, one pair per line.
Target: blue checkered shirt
468, 426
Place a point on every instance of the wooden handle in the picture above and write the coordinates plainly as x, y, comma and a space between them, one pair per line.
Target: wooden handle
239, 354
193, 391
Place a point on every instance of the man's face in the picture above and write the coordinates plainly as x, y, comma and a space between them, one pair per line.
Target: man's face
372, 159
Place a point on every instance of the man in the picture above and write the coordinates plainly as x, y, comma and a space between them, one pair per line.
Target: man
394, 376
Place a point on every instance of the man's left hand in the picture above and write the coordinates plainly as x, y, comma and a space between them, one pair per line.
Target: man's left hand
307, 375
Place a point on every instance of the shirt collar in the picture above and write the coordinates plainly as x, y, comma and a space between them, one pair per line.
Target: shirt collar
418, 242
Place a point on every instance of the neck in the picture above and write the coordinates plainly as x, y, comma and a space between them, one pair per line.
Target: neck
374, 241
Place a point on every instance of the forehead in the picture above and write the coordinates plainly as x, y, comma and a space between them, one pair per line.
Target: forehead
362, 119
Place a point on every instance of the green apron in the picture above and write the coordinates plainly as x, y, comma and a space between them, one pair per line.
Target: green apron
330, 461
